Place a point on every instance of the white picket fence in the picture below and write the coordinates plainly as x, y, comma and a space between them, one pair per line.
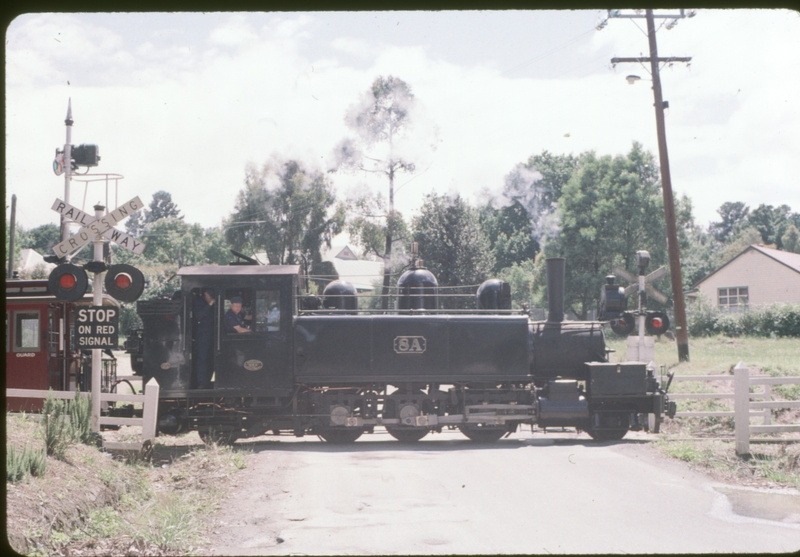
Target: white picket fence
147, 422
744, 407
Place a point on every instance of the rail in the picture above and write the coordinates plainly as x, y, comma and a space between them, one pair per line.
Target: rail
147, 422
744, 407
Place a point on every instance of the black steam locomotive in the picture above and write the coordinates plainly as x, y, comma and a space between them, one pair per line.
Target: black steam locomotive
320, 365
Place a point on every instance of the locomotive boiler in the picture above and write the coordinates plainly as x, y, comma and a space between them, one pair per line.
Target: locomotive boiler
321, 365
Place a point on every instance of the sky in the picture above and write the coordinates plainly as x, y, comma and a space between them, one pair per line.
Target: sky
183, 102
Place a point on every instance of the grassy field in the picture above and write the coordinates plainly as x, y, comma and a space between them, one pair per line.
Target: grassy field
709, 356
707, 442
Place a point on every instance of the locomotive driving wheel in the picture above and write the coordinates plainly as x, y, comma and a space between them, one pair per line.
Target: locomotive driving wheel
613, 427
397, 407
217, 435
483, 434
340, 436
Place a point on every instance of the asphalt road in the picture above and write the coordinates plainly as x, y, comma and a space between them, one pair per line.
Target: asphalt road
553, 493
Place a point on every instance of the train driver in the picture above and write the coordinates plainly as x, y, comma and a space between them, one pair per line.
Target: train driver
234, 320
204, 337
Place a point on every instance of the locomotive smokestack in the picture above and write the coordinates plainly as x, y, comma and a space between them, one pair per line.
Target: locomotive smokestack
555, 289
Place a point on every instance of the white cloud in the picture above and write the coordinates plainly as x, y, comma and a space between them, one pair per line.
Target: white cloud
186, 117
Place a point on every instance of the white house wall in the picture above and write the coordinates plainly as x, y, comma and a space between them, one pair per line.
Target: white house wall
767, 280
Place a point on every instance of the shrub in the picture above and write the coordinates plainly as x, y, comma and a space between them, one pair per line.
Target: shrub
80, 413
55, 429
775, 320
21, 463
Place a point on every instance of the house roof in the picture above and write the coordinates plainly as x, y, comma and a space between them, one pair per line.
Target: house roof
30, 258
359, 272
787, 258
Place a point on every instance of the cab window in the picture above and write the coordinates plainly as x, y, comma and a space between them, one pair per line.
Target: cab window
26, 331
268, 310
261, 309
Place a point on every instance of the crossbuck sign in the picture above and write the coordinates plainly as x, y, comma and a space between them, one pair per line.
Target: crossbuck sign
92, 226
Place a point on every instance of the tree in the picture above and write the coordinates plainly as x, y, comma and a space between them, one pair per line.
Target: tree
173, 243
609, 209
521, 277
161, 207
524, 216
284, 210
451, 241
555, 172
509, 232
381, 121
771, 222
733, 214
370, 223
42, 238
791, 239
745, 237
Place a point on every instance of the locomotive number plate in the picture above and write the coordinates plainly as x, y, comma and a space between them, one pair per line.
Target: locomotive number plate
253, 365
409, 345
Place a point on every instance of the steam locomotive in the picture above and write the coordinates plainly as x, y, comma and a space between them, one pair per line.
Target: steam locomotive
323, 366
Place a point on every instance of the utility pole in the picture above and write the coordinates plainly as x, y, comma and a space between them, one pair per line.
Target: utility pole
682, 333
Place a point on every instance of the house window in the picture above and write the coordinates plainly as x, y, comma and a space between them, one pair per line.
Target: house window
732, 299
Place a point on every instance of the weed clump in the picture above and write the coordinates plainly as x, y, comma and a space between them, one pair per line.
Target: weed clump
21, 463
55, 429
65, 422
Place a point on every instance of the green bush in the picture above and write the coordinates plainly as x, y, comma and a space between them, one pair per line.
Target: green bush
21, 463
775, 320
55, 428
80, 414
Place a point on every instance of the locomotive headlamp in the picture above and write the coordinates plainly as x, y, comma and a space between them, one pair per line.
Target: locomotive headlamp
642, 261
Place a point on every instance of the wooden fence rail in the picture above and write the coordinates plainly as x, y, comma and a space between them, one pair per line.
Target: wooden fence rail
147, 422
744, 407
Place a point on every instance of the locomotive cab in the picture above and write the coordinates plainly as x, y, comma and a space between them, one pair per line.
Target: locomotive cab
254, 355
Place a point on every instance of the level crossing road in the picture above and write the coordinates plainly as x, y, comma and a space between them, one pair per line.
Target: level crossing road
527, 494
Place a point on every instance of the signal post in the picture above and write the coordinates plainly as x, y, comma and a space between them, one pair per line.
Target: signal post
69, 282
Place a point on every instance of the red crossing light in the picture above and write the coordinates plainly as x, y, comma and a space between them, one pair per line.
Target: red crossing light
124, 282
68, 282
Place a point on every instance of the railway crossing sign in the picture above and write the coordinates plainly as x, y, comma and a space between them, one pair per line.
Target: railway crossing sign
648, 283
92, 226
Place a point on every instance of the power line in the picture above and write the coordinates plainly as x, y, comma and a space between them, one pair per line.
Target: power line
548, 52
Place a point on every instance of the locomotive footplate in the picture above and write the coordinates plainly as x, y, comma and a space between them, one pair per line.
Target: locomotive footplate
489, 414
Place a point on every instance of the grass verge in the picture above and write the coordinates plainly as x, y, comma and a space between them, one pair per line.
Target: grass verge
89, 503
707, 442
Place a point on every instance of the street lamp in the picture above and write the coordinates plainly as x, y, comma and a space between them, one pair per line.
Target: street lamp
633, 79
